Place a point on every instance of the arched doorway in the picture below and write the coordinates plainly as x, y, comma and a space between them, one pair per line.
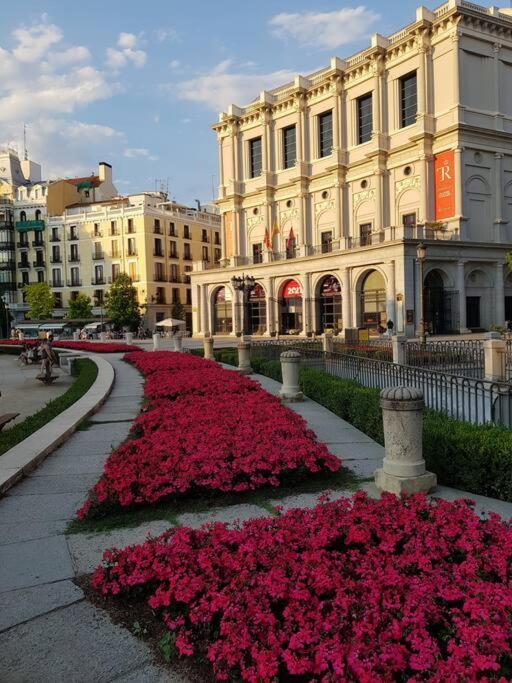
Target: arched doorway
291, 316
222, 311
258, 310
373, 301
434, 303
329, 304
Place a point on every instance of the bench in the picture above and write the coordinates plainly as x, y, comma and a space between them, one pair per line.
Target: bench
6, 418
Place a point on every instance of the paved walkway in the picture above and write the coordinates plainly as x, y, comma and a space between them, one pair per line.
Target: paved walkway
48, 632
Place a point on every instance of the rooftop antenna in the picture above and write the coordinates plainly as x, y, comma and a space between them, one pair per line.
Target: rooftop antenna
25, 151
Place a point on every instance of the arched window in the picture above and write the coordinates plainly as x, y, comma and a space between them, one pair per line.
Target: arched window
222, 311
38, 215
329, 304
291, 308
23, 216
373, 301
258, 308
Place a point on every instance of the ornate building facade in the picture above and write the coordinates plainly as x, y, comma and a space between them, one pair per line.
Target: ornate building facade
329, 183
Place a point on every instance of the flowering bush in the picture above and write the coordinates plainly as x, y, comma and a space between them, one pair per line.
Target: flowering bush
207, 439
93, 347
356, 589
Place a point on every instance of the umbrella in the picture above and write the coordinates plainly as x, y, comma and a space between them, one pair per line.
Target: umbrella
171, 322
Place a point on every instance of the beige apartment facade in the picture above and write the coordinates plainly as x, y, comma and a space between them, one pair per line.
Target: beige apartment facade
328, 185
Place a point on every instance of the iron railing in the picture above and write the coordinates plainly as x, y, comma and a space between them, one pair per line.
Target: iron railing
456, 357
464, 398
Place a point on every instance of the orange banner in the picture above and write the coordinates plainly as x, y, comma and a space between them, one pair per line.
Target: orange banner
444, 169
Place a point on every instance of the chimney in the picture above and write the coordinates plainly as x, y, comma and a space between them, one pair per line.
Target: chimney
105, 172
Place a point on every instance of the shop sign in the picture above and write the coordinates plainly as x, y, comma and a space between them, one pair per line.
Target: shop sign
292, 289
444, 169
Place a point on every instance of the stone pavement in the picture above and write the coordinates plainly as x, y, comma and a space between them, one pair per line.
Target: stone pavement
48, 632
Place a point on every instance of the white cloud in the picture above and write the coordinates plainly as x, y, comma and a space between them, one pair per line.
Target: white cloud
35, 41
325, 30
117, 58
71, 55
139, 152
166, 34
174, 64
221, 87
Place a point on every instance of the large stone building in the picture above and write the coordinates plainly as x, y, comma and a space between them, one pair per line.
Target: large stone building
328, 184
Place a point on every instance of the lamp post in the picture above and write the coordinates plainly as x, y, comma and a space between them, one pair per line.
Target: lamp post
421, 252
245, 284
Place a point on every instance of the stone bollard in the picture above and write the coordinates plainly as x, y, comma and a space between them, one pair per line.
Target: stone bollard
494, 357
399, 344
177, 342
128, 337
403, 469
327, 342
103, 337
290, 391
208, 348
244, 357
76, 336
156, 342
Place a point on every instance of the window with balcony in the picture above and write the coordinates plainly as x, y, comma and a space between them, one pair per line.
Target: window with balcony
364, 119
131, 247
132, 271
159, 272
116, 270
255, 158
409, 220
257, 253
186, 232
156, 228
173, 251
97, 251
158, 247
325, 134
73, 253
326, 241
217, 255
217, 238
75, 277
98, 275
186, 252
56, 277
173, 274
408, 100
365, 234
289, 147
73, 232
24, 279
56, 254
23, 216
23, 239
172, 230
57, 297
40, 275
96, 230
39, 241
55, 235
113, 227
160, 295
99, 297
188, 295
114, 249
175, 295
130, 225
204, 235
205, 254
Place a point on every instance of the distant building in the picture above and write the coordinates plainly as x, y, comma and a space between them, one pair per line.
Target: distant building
329, 182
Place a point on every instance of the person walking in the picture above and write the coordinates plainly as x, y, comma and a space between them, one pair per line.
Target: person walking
390, 325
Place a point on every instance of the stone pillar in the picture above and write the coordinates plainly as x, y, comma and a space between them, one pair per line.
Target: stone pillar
399, 344
290, 391
244, 356
499, 293
346, 298
499, 220
494, 357
461, 286
391, 292
458, 182
208, 348
327, 342
156, 342
177, 342
403, 469
76, 335
307, 306
128, 337
205, 315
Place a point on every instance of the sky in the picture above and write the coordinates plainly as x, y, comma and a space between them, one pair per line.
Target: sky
139, 84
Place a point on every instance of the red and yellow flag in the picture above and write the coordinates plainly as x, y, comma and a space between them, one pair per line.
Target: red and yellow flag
275, 229
266, 240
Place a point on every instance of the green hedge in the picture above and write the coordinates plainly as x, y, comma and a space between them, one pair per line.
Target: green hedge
228, 355
86, 371
473, 458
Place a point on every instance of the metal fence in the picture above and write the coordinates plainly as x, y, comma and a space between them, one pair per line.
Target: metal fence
463, 398
456, 357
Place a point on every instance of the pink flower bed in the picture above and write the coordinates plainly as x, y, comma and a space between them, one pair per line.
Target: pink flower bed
222, 433
355, 590
92, 347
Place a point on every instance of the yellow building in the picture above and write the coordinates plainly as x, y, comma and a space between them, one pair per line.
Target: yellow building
151, 239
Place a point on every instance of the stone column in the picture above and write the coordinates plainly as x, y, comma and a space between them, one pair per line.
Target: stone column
494, 357
306, 305
208, 348
498, 197
379, 195
403, 469
290, 391
338, 204
327, 342
346, 295
458, 182
244, 356
499, 292
399, 344
205, 314
376, 101
391, 292
461, 286
156, 342
128, 337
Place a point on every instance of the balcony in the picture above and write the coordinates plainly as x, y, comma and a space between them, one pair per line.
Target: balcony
55, 259
39, 244
98, 256
156, 252
54, 238
160, 300
74, 258
159, 277
186, 279
132, 252
99, 281
7, 265
157, 230
72, 236
74, 283
205, 239
217, 240
23, 264
173, 254
187, 257
39, 264
22, 245
57, 283
174, 278
24, 226
7, 246
98, 233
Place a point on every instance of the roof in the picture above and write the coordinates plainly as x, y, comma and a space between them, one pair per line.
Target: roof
94, 180
115, 200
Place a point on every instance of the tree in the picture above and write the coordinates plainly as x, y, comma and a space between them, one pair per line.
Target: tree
40, 300
121, 303
80, 307
177, 311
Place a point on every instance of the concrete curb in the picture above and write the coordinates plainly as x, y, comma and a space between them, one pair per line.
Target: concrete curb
25, 456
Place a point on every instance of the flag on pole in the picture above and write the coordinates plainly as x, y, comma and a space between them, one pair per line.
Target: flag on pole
266, 240
291, 239
275, 230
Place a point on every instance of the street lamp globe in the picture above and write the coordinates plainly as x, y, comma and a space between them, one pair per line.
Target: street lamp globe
421, 251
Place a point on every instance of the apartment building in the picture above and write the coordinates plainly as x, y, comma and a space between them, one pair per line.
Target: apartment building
329, 183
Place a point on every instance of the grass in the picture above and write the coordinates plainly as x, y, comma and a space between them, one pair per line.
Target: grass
86, 373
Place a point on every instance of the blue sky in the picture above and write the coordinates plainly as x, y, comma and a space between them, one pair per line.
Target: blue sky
139, 84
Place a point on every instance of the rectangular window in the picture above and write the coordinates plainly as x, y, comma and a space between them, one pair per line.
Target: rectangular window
132, 271
365, 234
217, 238
116, 269
98, 275
172, 230
131, 247
364, 119
186, 232
325, 134
174, 251
73, 256
115, 249
186, 252
204, 235
73, 233
205, 254
56, 280
173, 276
257, 253
255, 158
188, 294
175, 295
113, 228
55, 235
58, 299
159, 272
130, 225
289, 147
98, 252
75, 277
157, 226
408, 100
55, 254
217, 255
40, 275
24, 278
97, 232
409, 220
98, 297
326, 238
158, 247
160, 295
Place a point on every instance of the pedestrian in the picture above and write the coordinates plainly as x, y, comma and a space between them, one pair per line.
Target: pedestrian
390, 325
